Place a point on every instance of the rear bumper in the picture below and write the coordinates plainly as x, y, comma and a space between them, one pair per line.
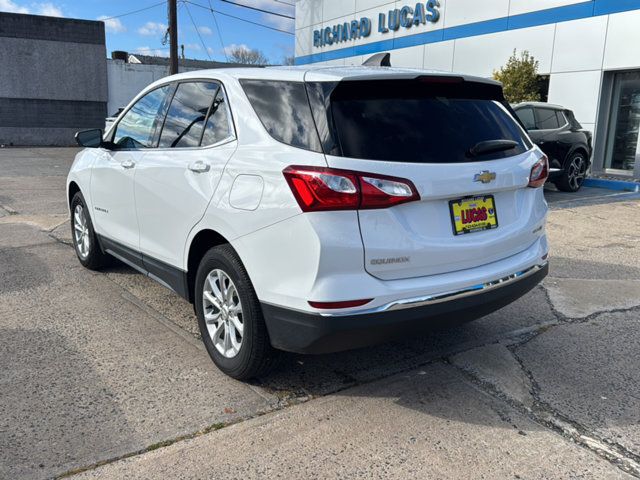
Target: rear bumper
301, 332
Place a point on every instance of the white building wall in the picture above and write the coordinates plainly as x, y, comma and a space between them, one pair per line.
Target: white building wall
126, 80
483, 54
575, 53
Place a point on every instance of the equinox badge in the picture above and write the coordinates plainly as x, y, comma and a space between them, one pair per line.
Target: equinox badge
485, 176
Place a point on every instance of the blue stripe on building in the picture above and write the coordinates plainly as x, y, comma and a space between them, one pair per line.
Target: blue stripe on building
565, 13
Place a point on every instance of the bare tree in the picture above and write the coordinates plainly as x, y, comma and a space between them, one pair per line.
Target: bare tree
289, 60
241, 54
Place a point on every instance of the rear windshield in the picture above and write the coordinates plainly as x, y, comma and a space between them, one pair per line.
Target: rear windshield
419, 120
414, 121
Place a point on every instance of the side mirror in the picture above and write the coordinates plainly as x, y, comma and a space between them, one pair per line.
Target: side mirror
90, 138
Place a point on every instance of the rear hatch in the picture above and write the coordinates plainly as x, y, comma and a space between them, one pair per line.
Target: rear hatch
458, 143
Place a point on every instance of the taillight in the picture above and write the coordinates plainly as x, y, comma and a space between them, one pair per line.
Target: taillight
321, 189
539, 172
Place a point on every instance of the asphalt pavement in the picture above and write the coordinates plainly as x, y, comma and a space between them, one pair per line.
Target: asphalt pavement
103, 374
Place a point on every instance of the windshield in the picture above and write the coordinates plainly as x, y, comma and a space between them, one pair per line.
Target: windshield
418, 121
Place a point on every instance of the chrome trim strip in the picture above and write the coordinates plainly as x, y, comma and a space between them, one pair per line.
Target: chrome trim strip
445, 296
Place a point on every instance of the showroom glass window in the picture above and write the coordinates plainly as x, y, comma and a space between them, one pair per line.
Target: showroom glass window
138, 127
623, 139
188, 114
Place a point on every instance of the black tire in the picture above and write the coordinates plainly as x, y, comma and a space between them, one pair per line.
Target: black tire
94, 258
255, 356
574, 172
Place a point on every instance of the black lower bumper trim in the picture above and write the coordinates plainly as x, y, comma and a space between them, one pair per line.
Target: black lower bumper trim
300, 332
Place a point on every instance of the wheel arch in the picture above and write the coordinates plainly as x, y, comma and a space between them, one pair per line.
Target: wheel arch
72, 189
579, 148
200, 244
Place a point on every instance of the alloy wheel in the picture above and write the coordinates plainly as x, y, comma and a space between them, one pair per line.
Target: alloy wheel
577, 172
223, 313
81, 231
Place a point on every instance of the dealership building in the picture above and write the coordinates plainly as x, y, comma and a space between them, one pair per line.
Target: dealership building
590, 51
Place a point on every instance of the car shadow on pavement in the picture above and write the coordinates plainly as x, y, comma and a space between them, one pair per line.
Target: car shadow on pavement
324, 374
47, 420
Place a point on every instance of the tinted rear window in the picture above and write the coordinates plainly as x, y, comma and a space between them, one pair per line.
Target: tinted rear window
283, 109
413, 121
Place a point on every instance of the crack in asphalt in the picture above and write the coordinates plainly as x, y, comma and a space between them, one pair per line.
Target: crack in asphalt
564, 319
154, 446
609, 449
559, 315
545, 415
9, 210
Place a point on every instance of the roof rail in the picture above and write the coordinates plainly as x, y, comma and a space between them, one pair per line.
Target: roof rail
378, 60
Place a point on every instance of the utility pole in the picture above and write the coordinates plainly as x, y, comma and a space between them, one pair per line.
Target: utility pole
173, 37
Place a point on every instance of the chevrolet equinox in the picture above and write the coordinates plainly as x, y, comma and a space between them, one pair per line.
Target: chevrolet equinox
316, 209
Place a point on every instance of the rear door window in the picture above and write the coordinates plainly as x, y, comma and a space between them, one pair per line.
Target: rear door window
187, 115
546, 119
218, 127
417, 121
526, 117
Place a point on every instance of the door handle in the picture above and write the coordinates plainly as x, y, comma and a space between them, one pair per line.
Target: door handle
128, 164
199, 167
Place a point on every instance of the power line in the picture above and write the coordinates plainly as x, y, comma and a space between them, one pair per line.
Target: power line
134, 11
284, 3
149, 50
258, 9
215, 20
238, 18
197, 31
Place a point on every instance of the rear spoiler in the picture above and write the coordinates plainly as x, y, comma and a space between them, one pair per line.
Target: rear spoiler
378, 60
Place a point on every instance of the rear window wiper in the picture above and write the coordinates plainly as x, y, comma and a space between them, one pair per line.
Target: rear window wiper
490, 146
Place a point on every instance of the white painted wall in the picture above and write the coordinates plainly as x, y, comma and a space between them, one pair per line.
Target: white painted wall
126, 80
575, 53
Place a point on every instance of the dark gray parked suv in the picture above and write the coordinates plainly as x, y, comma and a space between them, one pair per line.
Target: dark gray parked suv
557, 132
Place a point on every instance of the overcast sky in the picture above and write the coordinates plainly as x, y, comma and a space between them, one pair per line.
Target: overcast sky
143, 31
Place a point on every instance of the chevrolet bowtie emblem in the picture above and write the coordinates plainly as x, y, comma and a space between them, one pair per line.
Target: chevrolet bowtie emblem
485, 176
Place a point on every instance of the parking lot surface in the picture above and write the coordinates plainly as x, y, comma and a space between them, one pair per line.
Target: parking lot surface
103, 374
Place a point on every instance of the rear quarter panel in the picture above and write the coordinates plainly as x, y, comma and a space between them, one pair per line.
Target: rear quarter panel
259, 155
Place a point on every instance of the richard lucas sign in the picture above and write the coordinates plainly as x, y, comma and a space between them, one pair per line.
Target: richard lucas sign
405, 17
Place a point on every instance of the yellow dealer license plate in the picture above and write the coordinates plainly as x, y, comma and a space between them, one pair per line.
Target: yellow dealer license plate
473, 214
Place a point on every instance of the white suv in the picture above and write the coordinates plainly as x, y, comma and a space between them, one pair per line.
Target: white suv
316, 209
